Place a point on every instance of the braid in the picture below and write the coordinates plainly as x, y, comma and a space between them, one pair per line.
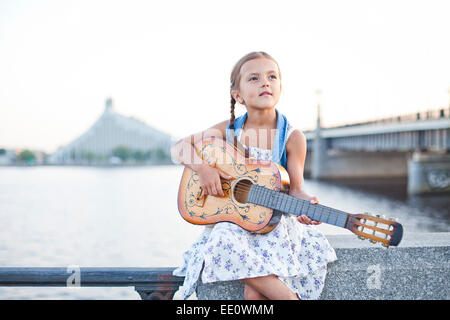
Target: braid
236, 143
233, 102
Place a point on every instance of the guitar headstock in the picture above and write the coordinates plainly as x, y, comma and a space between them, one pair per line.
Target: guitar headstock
376, 228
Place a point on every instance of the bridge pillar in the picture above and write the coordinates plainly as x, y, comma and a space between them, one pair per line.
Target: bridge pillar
428, 173
319, 155
319, 158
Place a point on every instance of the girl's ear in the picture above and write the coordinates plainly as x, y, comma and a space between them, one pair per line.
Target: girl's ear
236, 96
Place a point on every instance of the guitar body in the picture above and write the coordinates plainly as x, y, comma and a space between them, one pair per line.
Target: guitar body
201, 209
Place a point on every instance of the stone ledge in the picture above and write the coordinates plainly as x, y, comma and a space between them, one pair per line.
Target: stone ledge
417, 269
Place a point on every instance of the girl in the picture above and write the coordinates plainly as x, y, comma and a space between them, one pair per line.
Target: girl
290, 261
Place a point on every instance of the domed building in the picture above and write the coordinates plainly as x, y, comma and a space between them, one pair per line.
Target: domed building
114, 139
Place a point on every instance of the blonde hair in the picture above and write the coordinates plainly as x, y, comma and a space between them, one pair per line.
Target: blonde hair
235, 77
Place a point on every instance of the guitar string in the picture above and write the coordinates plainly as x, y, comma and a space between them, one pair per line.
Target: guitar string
329, 211
312, 211
315, 212
280, 202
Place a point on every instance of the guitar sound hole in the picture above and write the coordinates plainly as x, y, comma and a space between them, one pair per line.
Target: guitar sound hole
241, 190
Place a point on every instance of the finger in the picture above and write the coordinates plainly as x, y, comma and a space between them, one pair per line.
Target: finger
306, 219
213, 190
205, 190
219, 188
224, 175
303, 219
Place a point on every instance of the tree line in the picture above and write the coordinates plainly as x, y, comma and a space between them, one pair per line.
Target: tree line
123, 153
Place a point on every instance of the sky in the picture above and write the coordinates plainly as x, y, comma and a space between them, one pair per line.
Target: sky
168, 63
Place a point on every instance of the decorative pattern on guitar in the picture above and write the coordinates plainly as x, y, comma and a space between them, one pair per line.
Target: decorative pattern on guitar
195, 202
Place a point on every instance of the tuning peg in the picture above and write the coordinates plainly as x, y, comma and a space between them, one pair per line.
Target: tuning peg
385, 245
362, 238
373, 241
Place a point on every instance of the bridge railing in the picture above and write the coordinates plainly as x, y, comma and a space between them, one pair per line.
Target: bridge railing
150, 283
417, 116
424, 115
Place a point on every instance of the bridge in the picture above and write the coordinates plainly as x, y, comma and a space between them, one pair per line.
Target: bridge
415, 146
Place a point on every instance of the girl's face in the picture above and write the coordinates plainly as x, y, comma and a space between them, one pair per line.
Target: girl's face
260, 85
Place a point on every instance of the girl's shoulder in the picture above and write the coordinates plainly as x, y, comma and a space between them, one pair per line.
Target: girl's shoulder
295, 139
217, 130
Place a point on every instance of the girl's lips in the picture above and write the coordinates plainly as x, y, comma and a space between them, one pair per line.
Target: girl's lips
265, 94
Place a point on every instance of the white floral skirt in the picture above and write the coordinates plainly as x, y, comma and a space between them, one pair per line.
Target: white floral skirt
298, 254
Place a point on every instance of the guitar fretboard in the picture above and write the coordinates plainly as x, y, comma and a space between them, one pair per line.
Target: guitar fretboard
288, 204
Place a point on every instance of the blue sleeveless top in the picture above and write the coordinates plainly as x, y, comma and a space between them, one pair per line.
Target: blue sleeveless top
279, 148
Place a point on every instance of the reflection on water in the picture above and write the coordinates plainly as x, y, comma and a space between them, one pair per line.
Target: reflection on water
128, 217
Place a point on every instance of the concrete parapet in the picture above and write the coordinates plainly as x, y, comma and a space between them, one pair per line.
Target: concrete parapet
417, 269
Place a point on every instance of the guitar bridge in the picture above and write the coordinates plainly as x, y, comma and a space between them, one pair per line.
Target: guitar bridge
200, 198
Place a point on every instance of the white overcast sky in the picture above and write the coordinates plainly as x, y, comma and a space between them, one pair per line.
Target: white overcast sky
168, 62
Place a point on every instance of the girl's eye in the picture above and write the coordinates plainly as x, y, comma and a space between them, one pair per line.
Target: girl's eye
256, 78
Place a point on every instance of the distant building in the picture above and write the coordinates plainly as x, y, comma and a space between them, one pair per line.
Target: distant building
110, 132
7, 157
39, 157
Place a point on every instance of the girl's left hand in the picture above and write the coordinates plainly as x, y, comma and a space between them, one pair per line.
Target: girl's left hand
313, 200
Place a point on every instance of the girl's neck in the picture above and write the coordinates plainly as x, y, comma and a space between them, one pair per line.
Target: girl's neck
261, 118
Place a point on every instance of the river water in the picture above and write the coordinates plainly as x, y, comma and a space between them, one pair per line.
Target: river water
128, 217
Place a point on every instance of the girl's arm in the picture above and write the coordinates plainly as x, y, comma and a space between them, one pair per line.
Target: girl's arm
296, 155
183, 152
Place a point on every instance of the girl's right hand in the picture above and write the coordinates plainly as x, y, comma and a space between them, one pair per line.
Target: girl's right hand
210, 180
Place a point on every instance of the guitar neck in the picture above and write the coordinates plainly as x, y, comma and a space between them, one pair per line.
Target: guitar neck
291, 205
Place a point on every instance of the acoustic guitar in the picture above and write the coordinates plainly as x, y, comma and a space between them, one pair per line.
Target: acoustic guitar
257, 196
